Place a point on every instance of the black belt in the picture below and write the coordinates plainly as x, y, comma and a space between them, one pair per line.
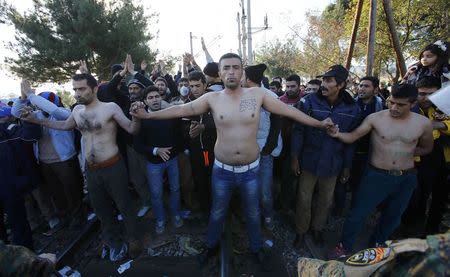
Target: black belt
395, 172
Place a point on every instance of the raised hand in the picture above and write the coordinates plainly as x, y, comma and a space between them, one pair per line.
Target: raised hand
186, 59
25, 88
164, 153
83, 67
130, 65
203, 43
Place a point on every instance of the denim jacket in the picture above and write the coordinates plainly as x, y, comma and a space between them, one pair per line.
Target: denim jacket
317, 152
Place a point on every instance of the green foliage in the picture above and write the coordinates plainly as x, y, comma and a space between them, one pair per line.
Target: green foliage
418, 23
57, 34
280, 57
66, 98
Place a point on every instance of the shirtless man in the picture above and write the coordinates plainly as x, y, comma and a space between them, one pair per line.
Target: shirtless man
106, 173
236, 113
397, 136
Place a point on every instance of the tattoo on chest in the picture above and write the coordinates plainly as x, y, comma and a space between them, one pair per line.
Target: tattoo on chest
88, 123
247, 105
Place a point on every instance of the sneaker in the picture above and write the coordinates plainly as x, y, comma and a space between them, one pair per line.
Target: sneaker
142, 211
263, 257
53, 222
118, 253
177, 221
298, 241
268, 223
206, 254
318, 238
159, 227
339, 252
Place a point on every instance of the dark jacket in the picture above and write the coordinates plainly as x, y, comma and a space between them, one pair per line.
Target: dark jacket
207, 139
17, 172
159, 133
317, 152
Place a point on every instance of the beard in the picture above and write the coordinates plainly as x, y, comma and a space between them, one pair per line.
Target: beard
232, 85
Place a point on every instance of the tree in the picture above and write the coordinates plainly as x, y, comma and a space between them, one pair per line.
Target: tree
66, 98
279, 57
57, 34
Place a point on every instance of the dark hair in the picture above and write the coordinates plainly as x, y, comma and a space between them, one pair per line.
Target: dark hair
161, 79
150, 89
197, 76
183, 79
294, 77
90, 80
315, 82
405, 91
278, 77
374, 80
442, 57
429, 82
275, 84
230, 56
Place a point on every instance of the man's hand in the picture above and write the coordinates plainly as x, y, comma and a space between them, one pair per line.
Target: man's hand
27, 114
164, 153
295, 167
144, 65
25, 89
162, 68
345, 175
130, 65
203, 44
327, 123
137, 110
196, 129
333, 131
124, 71
186, 59
83, 67
438, 125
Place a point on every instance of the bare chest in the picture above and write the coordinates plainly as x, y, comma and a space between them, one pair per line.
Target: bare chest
396, 134
236, 111
91, 121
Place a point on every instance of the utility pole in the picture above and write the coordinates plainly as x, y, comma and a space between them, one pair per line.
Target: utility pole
190, 40
239, 34
371, 38
249, 34
244, 35
354, 32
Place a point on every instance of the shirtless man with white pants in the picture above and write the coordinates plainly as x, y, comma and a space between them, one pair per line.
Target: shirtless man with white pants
397, 136
106, 171
236, 113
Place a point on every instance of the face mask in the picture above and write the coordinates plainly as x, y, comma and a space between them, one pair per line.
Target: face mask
184, 91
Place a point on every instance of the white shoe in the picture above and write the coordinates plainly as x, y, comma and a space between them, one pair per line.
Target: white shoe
53, 222
143, 211
119, 217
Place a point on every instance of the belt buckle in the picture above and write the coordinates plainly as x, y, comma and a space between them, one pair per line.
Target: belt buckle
395, 172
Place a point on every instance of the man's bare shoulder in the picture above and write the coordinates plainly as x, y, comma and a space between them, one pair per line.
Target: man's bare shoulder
78, 108
420, 119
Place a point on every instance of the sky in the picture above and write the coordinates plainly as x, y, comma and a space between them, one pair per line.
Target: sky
215, 20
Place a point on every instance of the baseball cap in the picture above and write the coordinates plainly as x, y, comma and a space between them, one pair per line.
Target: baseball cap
337, 71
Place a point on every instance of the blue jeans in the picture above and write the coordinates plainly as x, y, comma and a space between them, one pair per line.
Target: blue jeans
375, 188
223, 183
266, 183
155, 173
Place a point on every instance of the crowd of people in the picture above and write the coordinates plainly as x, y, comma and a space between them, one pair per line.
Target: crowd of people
209, 132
